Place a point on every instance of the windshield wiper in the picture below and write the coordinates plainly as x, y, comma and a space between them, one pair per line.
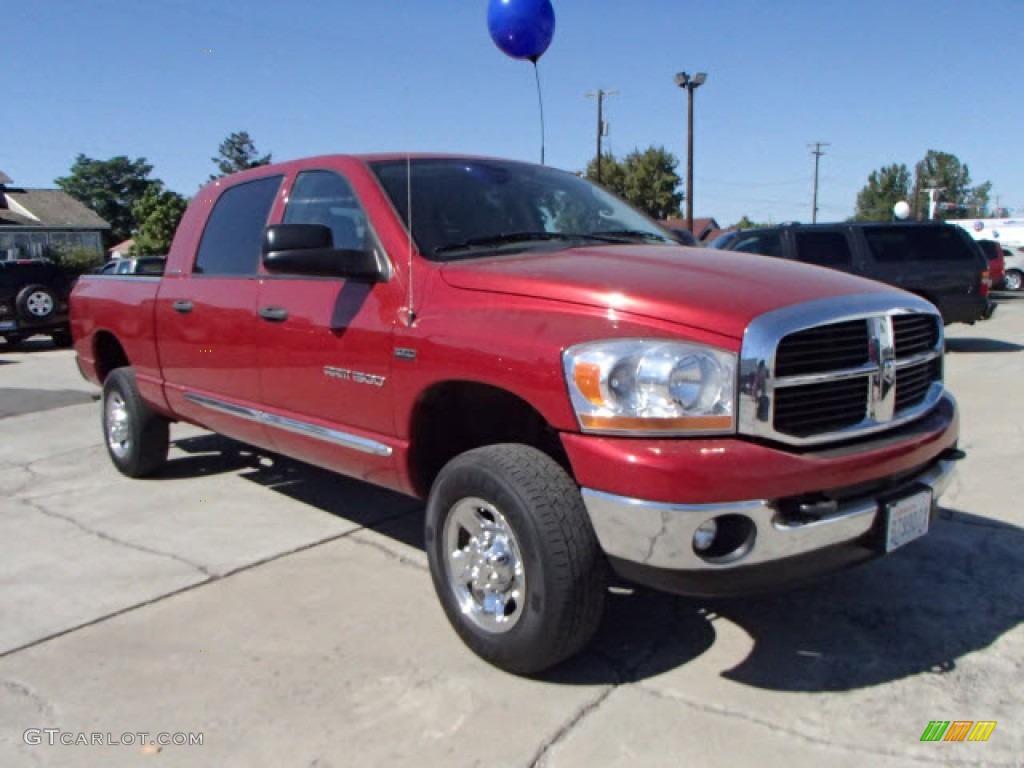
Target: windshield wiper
519, 237
627, 235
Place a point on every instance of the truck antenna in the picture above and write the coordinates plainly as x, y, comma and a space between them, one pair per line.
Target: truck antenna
410, 308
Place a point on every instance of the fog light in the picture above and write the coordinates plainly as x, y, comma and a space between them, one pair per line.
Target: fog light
704, 536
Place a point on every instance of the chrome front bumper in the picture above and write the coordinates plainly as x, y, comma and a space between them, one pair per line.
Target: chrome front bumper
660, 535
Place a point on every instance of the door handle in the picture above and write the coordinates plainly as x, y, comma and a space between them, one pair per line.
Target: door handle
274, 314
182, 306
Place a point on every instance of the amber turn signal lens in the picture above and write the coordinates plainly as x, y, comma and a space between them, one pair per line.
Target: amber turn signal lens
588, 381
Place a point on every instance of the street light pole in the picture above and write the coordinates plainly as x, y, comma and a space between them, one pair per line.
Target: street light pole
683, 80
600, 94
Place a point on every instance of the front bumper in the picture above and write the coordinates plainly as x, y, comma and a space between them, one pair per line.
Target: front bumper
808, 513
659, 536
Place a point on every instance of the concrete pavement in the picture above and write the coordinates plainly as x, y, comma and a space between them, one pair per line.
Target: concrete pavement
286, 614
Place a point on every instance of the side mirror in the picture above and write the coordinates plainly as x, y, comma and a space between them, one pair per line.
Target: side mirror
308, 249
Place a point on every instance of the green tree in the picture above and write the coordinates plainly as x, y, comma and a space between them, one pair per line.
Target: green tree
957, 197
110, 188
613, 174
886, 187
652, 184
237, 153
158, 214
647, 179
747, 223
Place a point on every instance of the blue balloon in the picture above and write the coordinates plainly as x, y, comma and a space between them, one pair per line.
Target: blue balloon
522, 29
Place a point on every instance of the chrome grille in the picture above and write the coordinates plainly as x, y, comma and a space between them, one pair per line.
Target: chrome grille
914, 334
826, 407
830, 370
825, 348
913, 382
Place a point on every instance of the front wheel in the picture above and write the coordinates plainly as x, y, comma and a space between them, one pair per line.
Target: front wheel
137, 437
514, 558
1013, 280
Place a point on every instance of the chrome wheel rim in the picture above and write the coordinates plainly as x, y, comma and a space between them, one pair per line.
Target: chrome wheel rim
1013, 281
39, 304
484, 565
118, 425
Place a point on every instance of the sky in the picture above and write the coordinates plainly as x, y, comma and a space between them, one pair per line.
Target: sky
880, 82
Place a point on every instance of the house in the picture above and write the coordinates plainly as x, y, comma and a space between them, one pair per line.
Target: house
37, 223
701, 227
122, 250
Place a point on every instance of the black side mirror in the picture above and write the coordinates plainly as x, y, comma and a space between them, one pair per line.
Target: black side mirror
308, 249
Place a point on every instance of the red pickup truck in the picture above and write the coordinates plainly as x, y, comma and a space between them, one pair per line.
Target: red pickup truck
574, 394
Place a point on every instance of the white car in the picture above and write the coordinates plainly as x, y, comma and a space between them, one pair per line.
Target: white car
1013, 255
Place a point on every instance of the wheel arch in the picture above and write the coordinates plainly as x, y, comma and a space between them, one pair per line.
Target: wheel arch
455, 416
108, 354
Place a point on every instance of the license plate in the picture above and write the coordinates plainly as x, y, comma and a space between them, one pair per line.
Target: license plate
6, 325
907, 519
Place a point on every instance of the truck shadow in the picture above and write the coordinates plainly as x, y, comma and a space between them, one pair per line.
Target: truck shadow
954, 592
973, 345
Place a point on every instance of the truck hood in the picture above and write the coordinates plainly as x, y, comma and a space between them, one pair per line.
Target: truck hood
713, 290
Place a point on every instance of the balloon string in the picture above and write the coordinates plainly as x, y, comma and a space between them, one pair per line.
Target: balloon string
540, 101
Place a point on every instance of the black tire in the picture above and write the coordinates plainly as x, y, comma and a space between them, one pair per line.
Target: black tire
14, 341
61, 339
36, 303
564, 573
137, 438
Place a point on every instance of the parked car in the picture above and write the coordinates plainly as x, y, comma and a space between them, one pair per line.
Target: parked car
33, 300
571, 392
996, 261
142, 265
937, 261
681, 235
1013, 259
723, 240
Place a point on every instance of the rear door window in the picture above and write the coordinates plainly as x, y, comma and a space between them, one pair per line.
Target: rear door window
826, 249
234, 232
895, 245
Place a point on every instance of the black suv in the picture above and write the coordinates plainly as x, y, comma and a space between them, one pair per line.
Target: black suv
33, 300
937, 261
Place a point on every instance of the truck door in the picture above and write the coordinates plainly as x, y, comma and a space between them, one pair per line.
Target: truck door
206, 322
325, 350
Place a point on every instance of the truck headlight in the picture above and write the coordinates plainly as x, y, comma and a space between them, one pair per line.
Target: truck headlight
644, 386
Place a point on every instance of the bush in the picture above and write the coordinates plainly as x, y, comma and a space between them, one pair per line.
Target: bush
77, 260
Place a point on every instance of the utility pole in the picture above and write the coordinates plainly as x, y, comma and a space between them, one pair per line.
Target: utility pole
600, 94
817, 158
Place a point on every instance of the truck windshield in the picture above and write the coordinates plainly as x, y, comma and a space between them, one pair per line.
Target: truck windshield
467, 207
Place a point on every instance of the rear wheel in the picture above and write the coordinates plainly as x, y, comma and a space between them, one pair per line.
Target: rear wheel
1013, 280
514, 558
137, 437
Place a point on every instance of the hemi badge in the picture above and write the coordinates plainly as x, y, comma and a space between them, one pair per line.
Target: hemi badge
405, 354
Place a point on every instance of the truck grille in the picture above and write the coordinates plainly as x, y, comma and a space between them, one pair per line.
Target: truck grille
837, 380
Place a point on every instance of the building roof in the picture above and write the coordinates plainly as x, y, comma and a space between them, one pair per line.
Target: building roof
124, 247
51, 208
701, 227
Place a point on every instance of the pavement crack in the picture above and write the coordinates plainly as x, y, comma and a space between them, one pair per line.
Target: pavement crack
734, 714
388, 553
23, 691
34, 503
540, 758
